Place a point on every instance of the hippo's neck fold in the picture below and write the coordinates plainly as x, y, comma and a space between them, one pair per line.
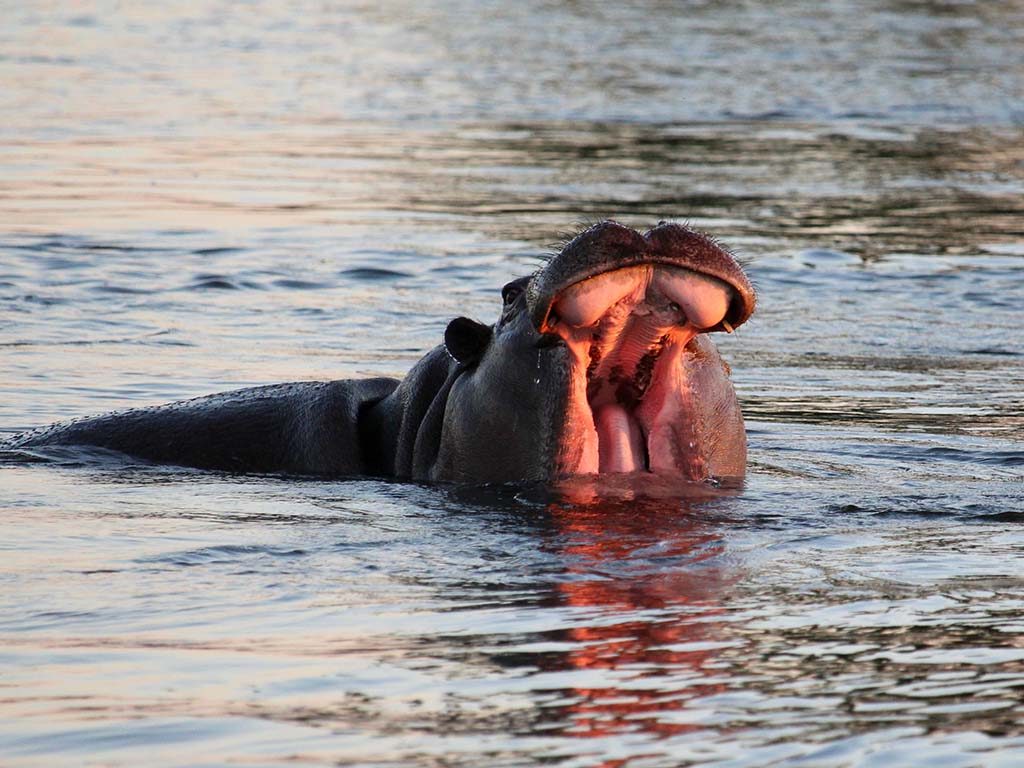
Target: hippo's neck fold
402, 431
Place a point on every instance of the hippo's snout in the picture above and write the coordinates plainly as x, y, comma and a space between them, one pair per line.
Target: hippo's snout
630, 308
610, 247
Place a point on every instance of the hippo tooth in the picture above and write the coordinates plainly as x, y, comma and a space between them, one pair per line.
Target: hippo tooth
621, 442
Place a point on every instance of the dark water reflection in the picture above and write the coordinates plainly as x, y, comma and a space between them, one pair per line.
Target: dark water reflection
224, 195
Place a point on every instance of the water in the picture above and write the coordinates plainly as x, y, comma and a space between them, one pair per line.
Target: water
195, 200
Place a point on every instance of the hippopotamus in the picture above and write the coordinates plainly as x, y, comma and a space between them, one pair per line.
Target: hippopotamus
600, 362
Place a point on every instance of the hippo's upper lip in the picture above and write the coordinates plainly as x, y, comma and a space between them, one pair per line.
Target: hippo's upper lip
609, 246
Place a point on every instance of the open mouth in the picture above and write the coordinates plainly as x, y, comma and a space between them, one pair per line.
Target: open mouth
629, 333
641, 398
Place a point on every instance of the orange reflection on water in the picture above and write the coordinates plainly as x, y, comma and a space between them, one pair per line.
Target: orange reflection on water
651, 571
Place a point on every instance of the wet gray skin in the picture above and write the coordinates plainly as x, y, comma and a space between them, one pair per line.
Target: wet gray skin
493, 404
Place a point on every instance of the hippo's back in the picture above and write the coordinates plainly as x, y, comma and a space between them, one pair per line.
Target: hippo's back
303, 428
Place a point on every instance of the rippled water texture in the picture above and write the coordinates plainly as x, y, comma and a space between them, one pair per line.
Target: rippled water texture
199, 198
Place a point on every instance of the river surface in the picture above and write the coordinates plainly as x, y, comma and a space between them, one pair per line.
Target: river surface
197, 197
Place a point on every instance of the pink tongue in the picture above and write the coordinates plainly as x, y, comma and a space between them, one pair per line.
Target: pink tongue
621, 444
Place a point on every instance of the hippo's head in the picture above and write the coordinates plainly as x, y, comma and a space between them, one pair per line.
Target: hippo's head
600, 363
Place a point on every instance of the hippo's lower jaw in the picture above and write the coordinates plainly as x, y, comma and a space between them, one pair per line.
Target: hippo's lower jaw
638, 370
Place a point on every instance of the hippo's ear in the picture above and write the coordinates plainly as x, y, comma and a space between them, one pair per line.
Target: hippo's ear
466, 339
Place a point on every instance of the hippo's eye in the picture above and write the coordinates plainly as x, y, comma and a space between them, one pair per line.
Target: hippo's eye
513, 291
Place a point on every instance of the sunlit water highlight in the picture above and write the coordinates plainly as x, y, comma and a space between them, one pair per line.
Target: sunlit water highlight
198, 200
